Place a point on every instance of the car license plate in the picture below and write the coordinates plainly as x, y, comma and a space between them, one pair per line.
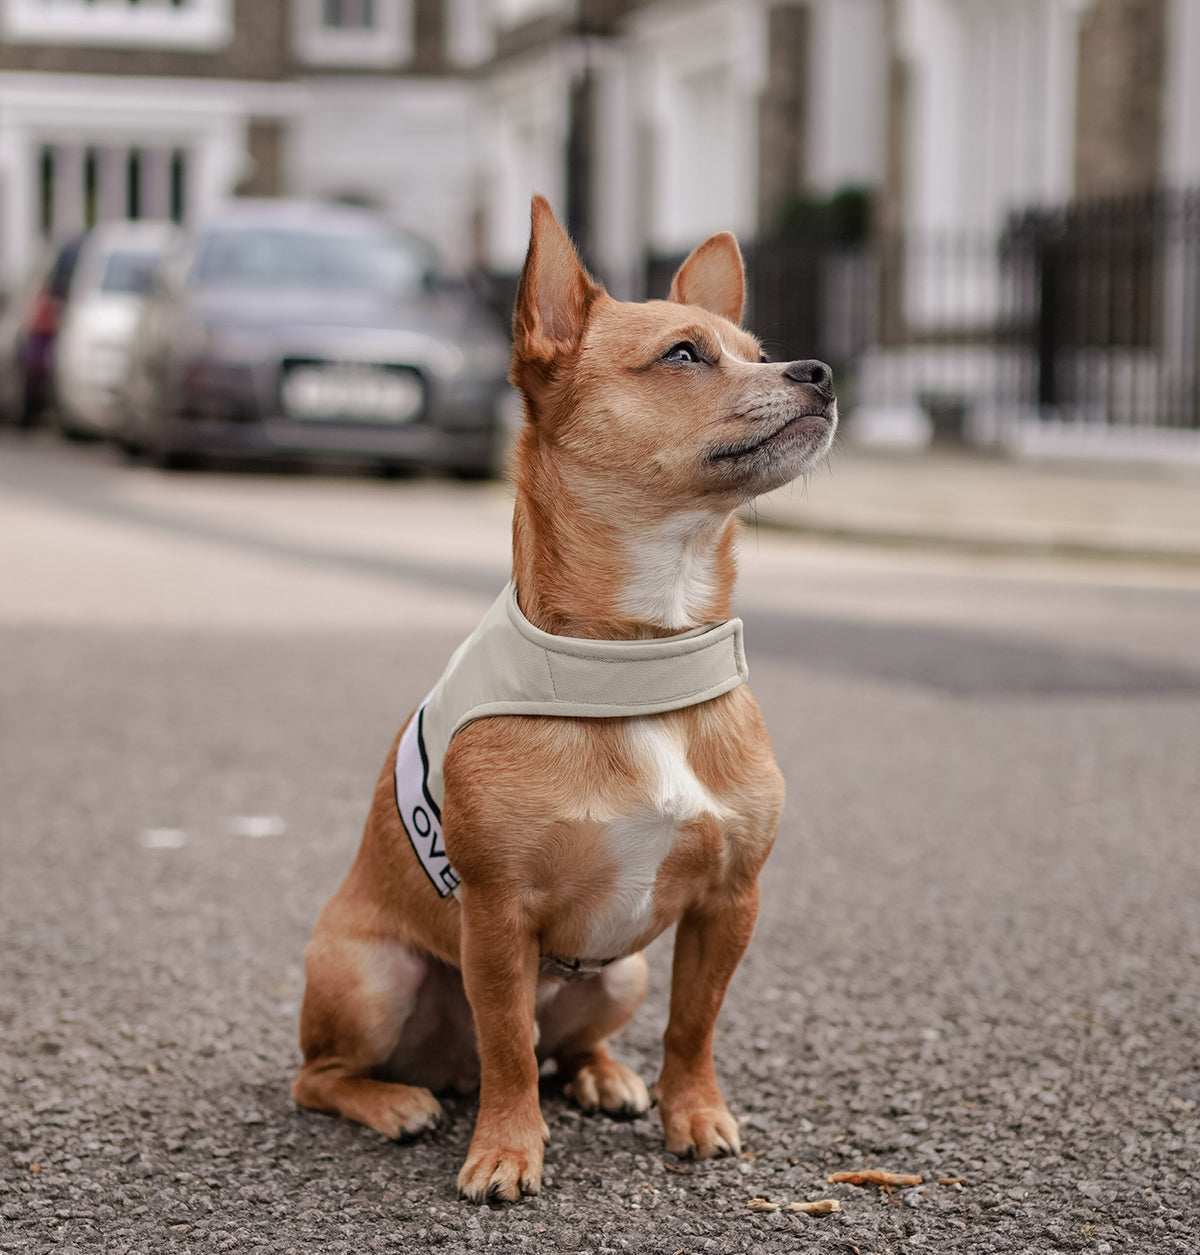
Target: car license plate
364, 393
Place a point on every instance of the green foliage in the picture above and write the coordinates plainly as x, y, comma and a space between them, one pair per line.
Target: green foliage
842, 218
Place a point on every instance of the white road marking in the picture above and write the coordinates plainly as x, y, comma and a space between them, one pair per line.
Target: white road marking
164, 838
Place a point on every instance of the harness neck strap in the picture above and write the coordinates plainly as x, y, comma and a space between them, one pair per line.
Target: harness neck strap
600, 679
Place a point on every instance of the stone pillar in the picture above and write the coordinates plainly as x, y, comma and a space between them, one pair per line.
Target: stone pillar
68, 191
265, 144
156, 184
782, 121
1119, 127
890, 214
111, 172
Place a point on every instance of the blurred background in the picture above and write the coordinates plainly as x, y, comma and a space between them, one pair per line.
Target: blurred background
985, 215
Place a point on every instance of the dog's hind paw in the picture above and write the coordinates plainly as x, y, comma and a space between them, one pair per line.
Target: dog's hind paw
611, 1087
397, 1111
428, 1116
406, 1114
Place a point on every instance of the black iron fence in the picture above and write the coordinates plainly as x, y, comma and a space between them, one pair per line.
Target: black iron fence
1085, 316
803, 299
1117, 329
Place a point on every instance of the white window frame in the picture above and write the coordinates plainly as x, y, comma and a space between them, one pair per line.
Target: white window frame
387, 44
514, 12
198, 25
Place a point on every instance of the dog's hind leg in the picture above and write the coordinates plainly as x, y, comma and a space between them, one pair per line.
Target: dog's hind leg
575, 1025
359, 997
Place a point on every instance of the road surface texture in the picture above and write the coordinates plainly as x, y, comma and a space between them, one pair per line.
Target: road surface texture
977, 959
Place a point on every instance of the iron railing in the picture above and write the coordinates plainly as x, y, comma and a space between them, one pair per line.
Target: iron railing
1087, 315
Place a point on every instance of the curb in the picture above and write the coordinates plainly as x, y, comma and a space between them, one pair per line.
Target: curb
901, 538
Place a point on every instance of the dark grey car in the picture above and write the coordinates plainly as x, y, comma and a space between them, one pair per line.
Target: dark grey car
300, 329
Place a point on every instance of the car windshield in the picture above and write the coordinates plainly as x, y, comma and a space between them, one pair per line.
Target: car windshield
129, 272
269, 257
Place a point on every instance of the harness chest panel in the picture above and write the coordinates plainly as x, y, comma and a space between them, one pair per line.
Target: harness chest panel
507, 666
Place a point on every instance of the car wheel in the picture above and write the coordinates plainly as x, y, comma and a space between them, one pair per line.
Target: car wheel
163, 451
174, 460
127, 439
481, 459
21, 405
473, 472
71, 431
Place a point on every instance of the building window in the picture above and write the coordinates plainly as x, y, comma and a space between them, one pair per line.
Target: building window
177, 207
367, 34
133, 185
204, 25
79, 186
46, 191
349, 15
515, 12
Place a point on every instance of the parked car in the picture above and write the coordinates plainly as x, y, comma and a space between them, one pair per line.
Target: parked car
284, 327
28, 330
112, 276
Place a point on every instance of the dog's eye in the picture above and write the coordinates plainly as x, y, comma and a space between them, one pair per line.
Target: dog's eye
684, 352
762, 357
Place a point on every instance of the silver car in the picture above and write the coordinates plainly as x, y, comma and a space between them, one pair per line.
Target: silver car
112, 275
288, 328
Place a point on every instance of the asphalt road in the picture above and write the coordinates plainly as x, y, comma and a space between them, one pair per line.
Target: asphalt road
978, 958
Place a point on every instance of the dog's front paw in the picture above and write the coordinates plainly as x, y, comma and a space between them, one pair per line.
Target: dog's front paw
609, 1086
705, 1132
502, 1169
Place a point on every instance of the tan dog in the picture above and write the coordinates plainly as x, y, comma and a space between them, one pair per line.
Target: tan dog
647, 426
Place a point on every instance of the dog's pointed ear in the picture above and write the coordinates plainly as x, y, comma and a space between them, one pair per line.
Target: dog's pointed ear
713, 277
555, 292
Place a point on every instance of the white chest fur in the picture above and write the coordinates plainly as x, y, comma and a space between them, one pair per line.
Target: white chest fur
672, 573
641, 840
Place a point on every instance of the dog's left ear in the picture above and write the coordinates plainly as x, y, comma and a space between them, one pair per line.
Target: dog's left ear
555, 292
713, 277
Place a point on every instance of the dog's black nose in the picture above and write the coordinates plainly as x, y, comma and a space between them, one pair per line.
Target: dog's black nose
815, 373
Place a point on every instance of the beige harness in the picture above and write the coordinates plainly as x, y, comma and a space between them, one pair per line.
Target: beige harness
509, 667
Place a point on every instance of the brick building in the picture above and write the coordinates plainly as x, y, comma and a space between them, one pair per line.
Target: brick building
163, 108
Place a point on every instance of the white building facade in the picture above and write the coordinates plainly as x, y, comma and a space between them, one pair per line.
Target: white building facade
157, 109
676, 90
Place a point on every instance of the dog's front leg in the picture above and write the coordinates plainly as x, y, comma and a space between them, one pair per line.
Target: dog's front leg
500, 965
709, 943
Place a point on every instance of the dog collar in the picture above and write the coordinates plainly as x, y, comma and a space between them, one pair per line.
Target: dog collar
507, 666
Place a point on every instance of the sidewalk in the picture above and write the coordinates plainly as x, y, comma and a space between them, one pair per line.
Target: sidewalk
973, 501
